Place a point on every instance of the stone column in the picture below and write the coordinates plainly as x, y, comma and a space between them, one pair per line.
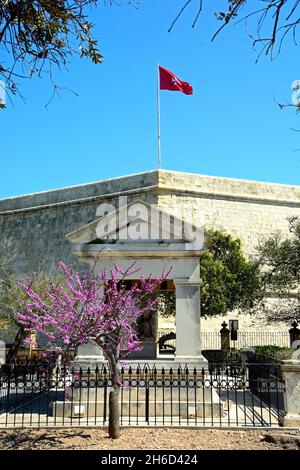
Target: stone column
225, 339
291, 376
188, 338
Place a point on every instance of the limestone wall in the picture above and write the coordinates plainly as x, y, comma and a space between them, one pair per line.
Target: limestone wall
249, 210
37, 224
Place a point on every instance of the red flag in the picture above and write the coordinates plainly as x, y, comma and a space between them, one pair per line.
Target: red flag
169, 81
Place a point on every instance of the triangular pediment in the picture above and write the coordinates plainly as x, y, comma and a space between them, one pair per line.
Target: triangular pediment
137, 222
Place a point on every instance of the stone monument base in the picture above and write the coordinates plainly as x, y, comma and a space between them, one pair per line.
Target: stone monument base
89, 356
148, 351
137, 403
290, 421
167, 363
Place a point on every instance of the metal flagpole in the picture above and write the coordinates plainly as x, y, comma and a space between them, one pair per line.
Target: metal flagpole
158, 119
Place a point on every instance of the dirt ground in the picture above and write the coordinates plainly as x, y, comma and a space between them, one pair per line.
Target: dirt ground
149, 439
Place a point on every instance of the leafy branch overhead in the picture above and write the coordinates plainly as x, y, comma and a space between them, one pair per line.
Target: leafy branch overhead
37, 35
268, 22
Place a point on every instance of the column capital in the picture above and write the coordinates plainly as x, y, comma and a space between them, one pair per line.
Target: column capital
187, 282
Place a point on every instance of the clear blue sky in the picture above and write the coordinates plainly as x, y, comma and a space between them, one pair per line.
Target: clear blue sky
231, 126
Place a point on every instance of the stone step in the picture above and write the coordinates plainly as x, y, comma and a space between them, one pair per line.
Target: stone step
96, 409
206, 394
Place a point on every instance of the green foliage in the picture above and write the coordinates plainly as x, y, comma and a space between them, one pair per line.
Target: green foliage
36, 36
229, 280
282, 259
281, 277
12, 296
6, 276
215, 356
166, 304
274, 352
222, 356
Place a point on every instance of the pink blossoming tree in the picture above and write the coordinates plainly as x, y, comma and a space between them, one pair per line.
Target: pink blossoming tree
90, 307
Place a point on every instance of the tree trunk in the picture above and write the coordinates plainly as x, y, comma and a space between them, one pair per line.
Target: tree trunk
114, 414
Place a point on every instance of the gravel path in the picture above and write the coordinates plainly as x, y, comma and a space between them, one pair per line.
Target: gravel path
149, 439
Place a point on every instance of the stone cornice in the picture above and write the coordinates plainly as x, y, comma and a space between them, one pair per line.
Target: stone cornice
177, 251
230, 196
84, 200
160, 182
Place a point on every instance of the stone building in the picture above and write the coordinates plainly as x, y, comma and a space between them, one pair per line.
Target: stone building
35, 226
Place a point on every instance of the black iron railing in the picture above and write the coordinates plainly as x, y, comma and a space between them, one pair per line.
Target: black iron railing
221, 396
212, 339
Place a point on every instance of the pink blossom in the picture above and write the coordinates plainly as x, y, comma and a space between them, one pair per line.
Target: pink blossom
77, 311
